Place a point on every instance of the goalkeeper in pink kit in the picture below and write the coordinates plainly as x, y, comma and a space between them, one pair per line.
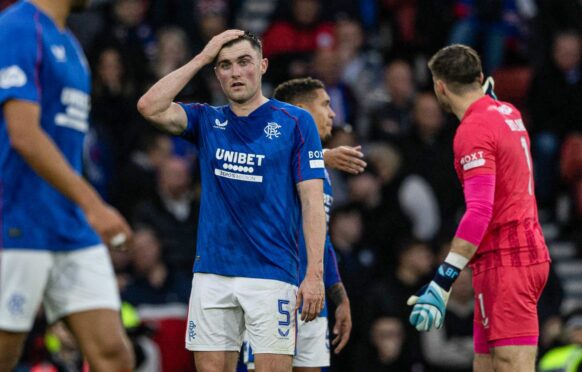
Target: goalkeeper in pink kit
499, 236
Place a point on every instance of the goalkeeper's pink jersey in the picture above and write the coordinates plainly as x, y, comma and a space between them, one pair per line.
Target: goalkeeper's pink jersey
492, 139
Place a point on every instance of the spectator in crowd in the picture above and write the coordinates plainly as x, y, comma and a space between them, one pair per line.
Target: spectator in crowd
450, 349
114, 95
173, 213
413, 262
137, 179
387, 295
255, 15
289, 41
173, 50
392, 119
493, 21
304, 32
386, 347
556, 114
552, 16
383, 221
360, 66
129, 30
326, 66
160, 296
155, 283
427, 152
569, 356
408, 200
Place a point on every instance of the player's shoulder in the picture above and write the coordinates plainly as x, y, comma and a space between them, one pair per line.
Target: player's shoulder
201, 107
18, 19
297, 114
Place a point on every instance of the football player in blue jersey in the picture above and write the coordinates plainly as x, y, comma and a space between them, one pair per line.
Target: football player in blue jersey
52, 222
261, 166
313, 349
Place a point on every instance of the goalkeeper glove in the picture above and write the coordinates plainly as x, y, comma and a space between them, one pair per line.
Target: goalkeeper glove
430, 304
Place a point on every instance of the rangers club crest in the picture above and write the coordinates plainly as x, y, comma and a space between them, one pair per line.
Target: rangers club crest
272, 130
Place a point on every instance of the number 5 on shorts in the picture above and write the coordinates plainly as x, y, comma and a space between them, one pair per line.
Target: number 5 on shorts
283, 329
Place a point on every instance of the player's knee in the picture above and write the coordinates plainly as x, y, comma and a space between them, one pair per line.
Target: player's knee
117, 354
10, 350
7, 362
504, 362
482, 363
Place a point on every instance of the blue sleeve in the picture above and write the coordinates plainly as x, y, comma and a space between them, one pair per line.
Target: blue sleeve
331, 271
20, 60
308, 158
194, 114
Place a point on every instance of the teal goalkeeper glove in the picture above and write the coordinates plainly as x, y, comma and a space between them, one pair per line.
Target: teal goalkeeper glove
430, 304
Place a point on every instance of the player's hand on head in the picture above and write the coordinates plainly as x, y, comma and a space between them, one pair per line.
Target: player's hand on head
310, 297
109, 225
428, 307
345, 158
213, 47
342, 327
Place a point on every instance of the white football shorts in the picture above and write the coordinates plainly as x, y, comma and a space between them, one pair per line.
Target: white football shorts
221, 309
65, 282
311, 349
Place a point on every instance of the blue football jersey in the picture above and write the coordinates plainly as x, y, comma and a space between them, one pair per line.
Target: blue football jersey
250, 209
330, 270
42, 64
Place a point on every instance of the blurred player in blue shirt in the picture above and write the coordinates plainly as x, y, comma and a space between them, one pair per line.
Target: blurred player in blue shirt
261, 166
52, 223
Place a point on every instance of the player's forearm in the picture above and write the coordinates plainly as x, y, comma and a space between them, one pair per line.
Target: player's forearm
161, 95
314, 232
337, 293
463, 248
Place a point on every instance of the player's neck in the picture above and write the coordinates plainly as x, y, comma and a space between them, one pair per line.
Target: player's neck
246, 108
462, 103
56, 10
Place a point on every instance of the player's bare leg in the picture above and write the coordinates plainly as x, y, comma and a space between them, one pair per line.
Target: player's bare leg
306, 369
514, 358
273, 363
102, 340
11, 346
482, 363
216, 361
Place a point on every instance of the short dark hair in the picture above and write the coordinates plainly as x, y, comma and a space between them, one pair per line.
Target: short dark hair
251, 38
297, 90
457, 65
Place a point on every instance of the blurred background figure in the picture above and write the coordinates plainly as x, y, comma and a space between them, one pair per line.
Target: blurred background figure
387, 348
173, 213
555, 116
450, 349
391, 120
569, 356
160, 297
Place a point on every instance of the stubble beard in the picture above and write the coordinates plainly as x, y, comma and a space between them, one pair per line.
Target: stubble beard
444, 105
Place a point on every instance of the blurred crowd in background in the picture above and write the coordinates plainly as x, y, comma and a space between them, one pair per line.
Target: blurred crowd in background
391, 224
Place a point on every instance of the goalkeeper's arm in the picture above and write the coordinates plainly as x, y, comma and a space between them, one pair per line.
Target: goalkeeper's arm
430, 303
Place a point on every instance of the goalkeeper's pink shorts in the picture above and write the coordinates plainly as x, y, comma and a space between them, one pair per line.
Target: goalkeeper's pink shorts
506, 306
